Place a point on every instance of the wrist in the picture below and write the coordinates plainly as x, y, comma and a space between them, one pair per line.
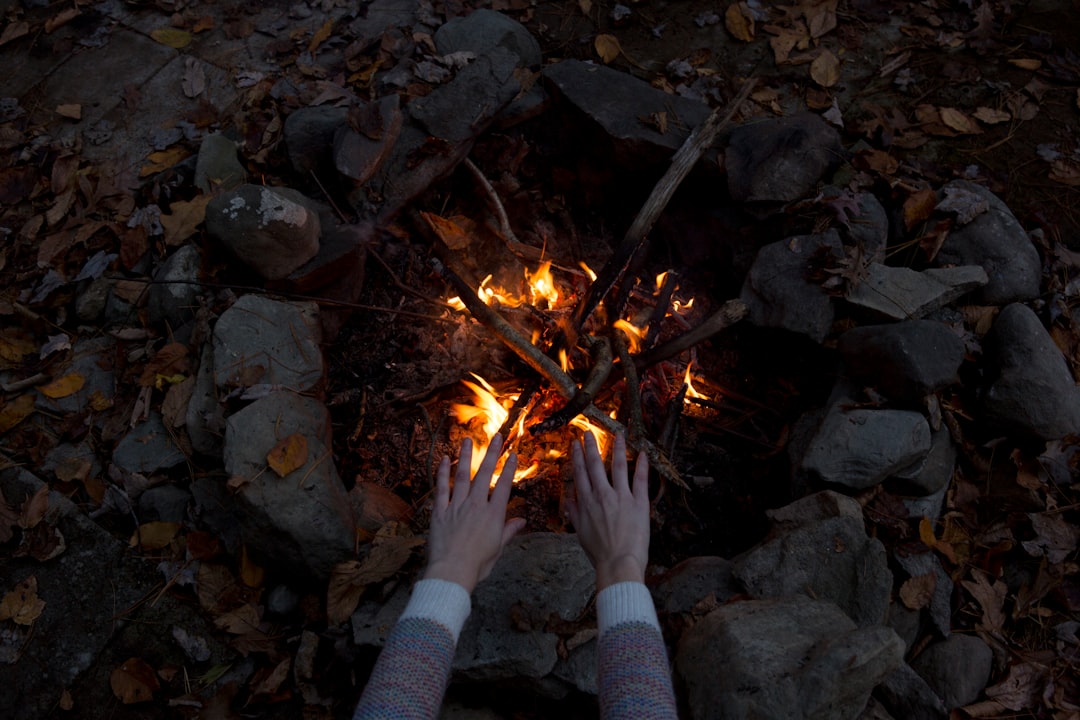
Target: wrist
625, 568
451, 572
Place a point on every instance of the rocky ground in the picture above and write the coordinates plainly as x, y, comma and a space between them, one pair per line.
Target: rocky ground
228, 360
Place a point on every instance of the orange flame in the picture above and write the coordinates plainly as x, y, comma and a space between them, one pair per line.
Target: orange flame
588, 271
542, 285
493, 409
691, 391
633, 333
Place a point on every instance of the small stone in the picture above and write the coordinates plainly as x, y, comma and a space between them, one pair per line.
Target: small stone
262, 341
906, 695
957, 669
272, 230
87, 359
580, 669
907, 623
205, 419
933, 473
905, 294
1031, 388
794, 658
905, 361
940, 607
167, 503
309, 137
861, 447
217, 168
148, 447
780, 160
282, 600
90, 302
175, 292
996, 241
778, 293
481, 30
682, 587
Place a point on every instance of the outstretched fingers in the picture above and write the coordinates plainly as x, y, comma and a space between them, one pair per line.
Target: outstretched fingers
442, 485
641, 478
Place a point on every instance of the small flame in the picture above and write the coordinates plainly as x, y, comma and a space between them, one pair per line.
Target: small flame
679, 306
603, 440
588, 271
542, 285
691, 391
633, 333
660, 280
489, 293
564, 360
493, 409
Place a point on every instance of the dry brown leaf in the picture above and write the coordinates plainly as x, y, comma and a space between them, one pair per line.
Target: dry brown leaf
8, 520
239, 621
981, 317
1022, 687
1078, 98
607, 47
289, 454
917, 592
172, 37
585, 6
66, 701
14, 412
163, 160
959, 122
22, 605
825, 70
154, 535
14, 31
739, 22
877, 161
34, 508
990, 596
1065, 172
991, 116
348, 580
820, 16
453, 235
918, 206
215, 586
320, 36
72, 111
14, 346
251, 573
206, 22
169, 361
184, 219
785, 40
174, 406
272, 681
1056, 539
60, 19
134, 681
1026, 63
931, 242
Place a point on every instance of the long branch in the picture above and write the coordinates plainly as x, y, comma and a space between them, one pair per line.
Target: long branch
729, 313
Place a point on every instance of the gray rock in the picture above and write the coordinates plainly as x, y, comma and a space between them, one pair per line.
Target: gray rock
167, 503
905, 622
906, 695
309, 137
830, 559
957, 669
929, 506
905, 294
90, 302
813, 508
940, 607
272, 230
621, 104
859, 448
780, 160
374, 619
931, 475
870, 227
382, 15
205, 419
783, 658
301, 521
87, 359
579, 668
217, 168
778, 293
875, 711
65, 458
691, 581
119, 311
147, 447
361, 147
282, 600
174, 295
1031, 388
537, 576
996, 241
481, 30
280, 338
906, 360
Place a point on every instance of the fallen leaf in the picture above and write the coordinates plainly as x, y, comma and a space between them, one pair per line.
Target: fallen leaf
206, 22
585, 6
194, 81
60, 19
990, 596
251, 573
56, 343
453, 235
1021, 688
320, 36
72, 111
174, 406
66, 701
1056, 537
820, 16
14, 412
173, 37
288, 455
878, 161
607, 47
269, 685
991, 116
785, 41
14, 31
16, 183
1026, 63
154, 535
184, 219
825, 70
63, 387
917, 592
1065, 172
43, 543
22, 605
134, 681
169, 361
194, 646
918, 207
239, 621
14, 346
348, 580
163, 160
931, 242
9, 518
34, 508
739, 22
959, 122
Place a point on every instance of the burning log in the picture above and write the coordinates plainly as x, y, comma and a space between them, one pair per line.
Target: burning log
602, 362
729, 313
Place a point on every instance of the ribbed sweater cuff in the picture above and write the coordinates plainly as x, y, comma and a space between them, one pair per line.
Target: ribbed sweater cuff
622, 603
442, 601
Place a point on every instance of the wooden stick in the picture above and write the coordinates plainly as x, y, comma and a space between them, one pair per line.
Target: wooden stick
729, 313
667, 289
681, 165
523, 251
635, 418
601, 369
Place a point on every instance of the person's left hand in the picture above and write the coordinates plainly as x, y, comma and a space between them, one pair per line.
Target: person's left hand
470, 529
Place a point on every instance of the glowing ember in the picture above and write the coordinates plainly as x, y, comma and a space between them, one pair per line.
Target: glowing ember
542, 285
633, 333
456, 303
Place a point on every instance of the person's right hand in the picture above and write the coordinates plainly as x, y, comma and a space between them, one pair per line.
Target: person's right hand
611, 518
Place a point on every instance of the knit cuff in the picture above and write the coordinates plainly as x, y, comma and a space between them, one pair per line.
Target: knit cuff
442, 601
625, 602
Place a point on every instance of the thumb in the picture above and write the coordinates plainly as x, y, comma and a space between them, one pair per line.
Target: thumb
512, 528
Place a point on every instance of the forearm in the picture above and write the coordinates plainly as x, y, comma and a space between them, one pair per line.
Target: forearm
634, 674
413, 670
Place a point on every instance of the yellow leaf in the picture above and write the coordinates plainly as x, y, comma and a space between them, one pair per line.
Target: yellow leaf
320, 36
452, 234
14, 345
607, 47
288, 455
64, 386
163, 160
173, 37
14, 412
926, 532
134, 681
1026, 63
154, 535
251, 573
959, 122
825, 70
184, 219
738, 23
22, 605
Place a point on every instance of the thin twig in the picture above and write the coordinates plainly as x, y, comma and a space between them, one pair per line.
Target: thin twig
729, 313
328, 198
635, 418
18, 385
601, 369
667, 289
670, 431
